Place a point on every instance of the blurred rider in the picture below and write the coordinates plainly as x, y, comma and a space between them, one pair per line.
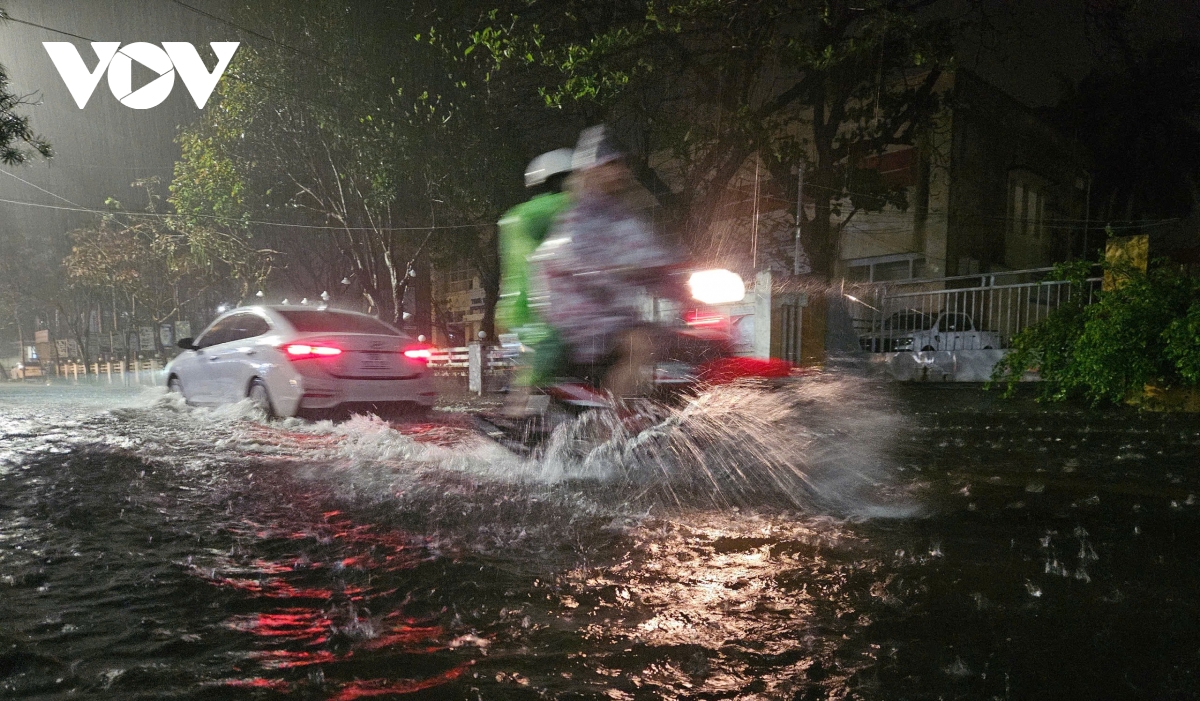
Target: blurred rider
600, 256
522, 230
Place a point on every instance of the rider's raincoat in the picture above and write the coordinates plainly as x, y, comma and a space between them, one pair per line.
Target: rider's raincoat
590, 272
522, 230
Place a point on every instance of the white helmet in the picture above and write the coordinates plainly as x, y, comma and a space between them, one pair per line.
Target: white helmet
548, 165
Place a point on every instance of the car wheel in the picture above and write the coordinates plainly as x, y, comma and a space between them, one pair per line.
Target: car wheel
260, 398
174, 386
987, 347
928, 348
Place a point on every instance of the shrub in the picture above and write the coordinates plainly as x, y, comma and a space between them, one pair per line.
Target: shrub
1183, 344
1147, 330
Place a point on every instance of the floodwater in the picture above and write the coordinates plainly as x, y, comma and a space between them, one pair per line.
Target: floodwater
833, 539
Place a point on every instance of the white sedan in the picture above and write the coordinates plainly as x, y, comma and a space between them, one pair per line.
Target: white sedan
949, 331
290, 360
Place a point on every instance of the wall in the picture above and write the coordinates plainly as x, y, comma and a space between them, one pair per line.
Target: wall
960, 210
997, 140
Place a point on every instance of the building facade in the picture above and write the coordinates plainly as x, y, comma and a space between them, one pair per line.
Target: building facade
991, 187
458, 306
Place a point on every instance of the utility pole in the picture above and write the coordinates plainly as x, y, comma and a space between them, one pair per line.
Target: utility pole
754, 236
799, 219
1087, 214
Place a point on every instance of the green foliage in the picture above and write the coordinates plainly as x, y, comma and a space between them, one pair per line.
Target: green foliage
1145, 330
159, 265
1049, 346
364, 155
207, 178
17, 139
1182, 339
705, 86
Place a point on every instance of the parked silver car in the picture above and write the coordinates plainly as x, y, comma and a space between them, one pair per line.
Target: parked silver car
900, 325
948, 331
913, 330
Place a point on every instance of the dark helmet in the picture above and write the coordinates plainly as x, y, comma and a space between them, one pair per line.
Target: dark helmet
596, 146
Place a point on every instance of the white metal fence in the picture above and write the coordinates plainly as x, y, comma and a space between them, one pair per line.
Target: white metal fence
456, 361
961, 313
138, 372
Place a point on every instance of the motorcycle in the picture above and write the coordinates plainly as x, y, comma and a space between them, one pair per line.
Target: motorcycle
693, 348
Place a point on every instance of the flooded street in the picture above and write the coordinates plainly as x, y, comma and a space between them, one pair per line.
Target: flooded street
833, 539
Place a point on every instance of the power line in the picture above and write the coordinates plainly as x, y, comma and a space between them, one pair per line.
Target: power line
80, 208
38, 187
262, 84
340, 69
5, 16
251, 32
258, 222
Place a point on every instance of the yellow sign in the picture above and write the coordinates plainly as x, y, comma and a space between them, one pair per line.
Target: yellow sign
1125, 252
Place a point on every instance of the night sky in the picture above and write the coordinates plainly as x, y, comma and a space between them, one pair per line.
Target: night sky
1028, 50
103, 148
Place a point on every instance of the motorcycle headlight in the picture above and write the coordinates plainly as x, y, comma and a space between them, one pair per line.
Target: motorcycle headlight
716, 286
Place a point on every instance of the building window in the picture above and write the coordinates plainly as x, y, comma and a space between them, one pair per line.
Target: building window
895, 270
1027, 206
904, 266
459, 280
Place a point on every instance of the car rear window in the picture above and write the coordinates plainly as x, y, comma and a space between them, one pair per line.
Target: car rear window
325, 321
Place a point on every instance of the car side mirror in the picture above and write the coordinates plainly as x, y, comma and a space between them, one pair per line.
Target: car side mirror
186, 343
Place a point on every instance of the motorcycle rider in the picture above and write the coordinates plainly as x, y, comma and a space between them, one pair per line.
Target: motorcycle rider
522, 229
600, 255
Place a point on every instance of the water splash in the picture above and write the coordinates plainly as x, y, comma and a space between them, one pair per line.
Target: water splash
819, 444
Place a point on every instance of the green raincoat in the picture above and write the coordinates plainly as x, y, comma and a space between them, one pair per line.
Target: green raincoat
522, 230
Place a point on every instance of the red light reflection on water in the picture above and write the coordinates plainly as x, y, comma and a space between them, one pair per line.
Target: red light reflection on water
256, 683
273, 588
295, 636
288, 659
441, 434
383, 687
298, 623
407, 636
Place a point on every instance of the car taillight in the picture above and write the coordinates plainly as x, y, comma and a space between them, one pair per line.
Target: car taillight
300, 351
698, 318
418, 353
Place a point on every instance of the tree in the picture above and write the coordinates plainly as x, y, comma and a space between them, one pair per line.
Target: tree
700, 87
18, 143
378, 161
281, 155
1142, 331
17, 139
149, 267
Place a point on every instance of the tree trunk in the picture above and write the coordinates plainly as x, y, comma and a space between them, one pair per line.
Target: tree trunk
491, 295
817, 238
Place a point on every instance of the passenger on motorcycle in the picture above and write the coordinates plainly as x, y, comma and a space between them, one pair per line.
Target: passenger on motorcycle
522, 230
590, 272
